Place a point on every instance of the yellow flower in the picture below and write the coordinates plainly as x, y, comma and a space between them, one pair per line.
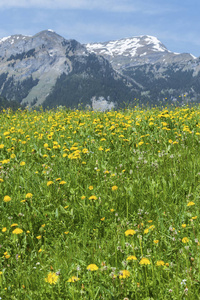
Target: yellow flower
185, 240
40, 250
7, 256
93, 197
190, 203
131, 257
39, 237
130, 232
6, 198
1, 180
52, 278
29, 195
17, 231
160, 263
58, 179
146, 230
194, 218
73, 279
102, 219
152, 227
14, 224
83, 197
156, 241
90, 187
92, 267
1, 146
22, 163
66, 232
112, 209
4, 229
114, 188
62, 182
183, 225
124, 274
49, 183
45, 145
144, 261
66, 206
85, 150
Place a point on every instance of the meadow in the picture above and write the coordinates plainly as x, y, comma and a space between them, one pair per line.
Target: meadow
100, 205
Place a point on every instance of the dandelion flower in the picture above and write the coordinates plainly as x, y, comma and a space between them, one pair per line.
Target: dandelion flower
49, 183
52, 278
29, 195
131, 257
183, 225
92, 267
39, 237
62, 182
4, 229
160, 263
146, 230
190, 203
93, 197
90, 187
156, 241
130, 232
114, 188
185, 240
22, 163
6, 198
73, 279
17, 231
124, 274
13, 225
144, 261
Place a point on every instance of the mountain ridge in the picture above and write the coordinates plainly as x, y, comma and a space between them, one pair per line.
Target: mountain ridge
50, 70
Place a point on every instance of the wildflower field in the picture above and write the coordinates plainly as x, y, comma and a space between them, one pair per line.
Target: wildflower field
100, 205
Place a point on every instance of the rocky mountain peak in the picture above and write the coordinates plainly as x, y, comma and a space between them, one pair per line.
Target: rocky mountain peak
137, 50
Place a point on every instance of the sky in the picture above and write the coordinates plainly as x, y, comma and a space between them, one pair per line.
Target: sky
175, 23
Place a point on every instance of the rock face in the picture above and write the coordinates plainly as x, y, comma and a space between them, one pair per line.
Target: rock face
50, 70
160, 74
136, 51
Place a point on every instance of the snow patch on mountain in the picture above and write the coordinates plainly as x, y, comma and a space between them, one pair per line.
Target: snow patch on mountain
128, 46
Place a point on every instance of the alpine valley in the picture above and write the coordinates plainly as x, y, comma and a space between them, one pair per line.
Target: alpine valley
48, 70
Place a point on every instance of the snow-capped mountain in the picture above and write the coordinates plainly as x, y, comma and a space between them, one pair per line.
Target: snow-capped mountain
135, 51
47, 69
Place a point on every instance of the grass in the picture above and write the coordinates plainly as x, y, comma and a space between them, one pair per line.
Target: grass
100, 205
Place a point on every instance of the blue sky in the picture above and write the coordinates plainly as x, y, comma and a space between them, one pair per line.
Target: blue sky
175, 23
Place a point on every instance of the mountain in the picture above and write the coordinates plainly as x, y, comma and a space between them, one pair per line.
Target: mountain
46, 69
129, 52
161, 74
50, 70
